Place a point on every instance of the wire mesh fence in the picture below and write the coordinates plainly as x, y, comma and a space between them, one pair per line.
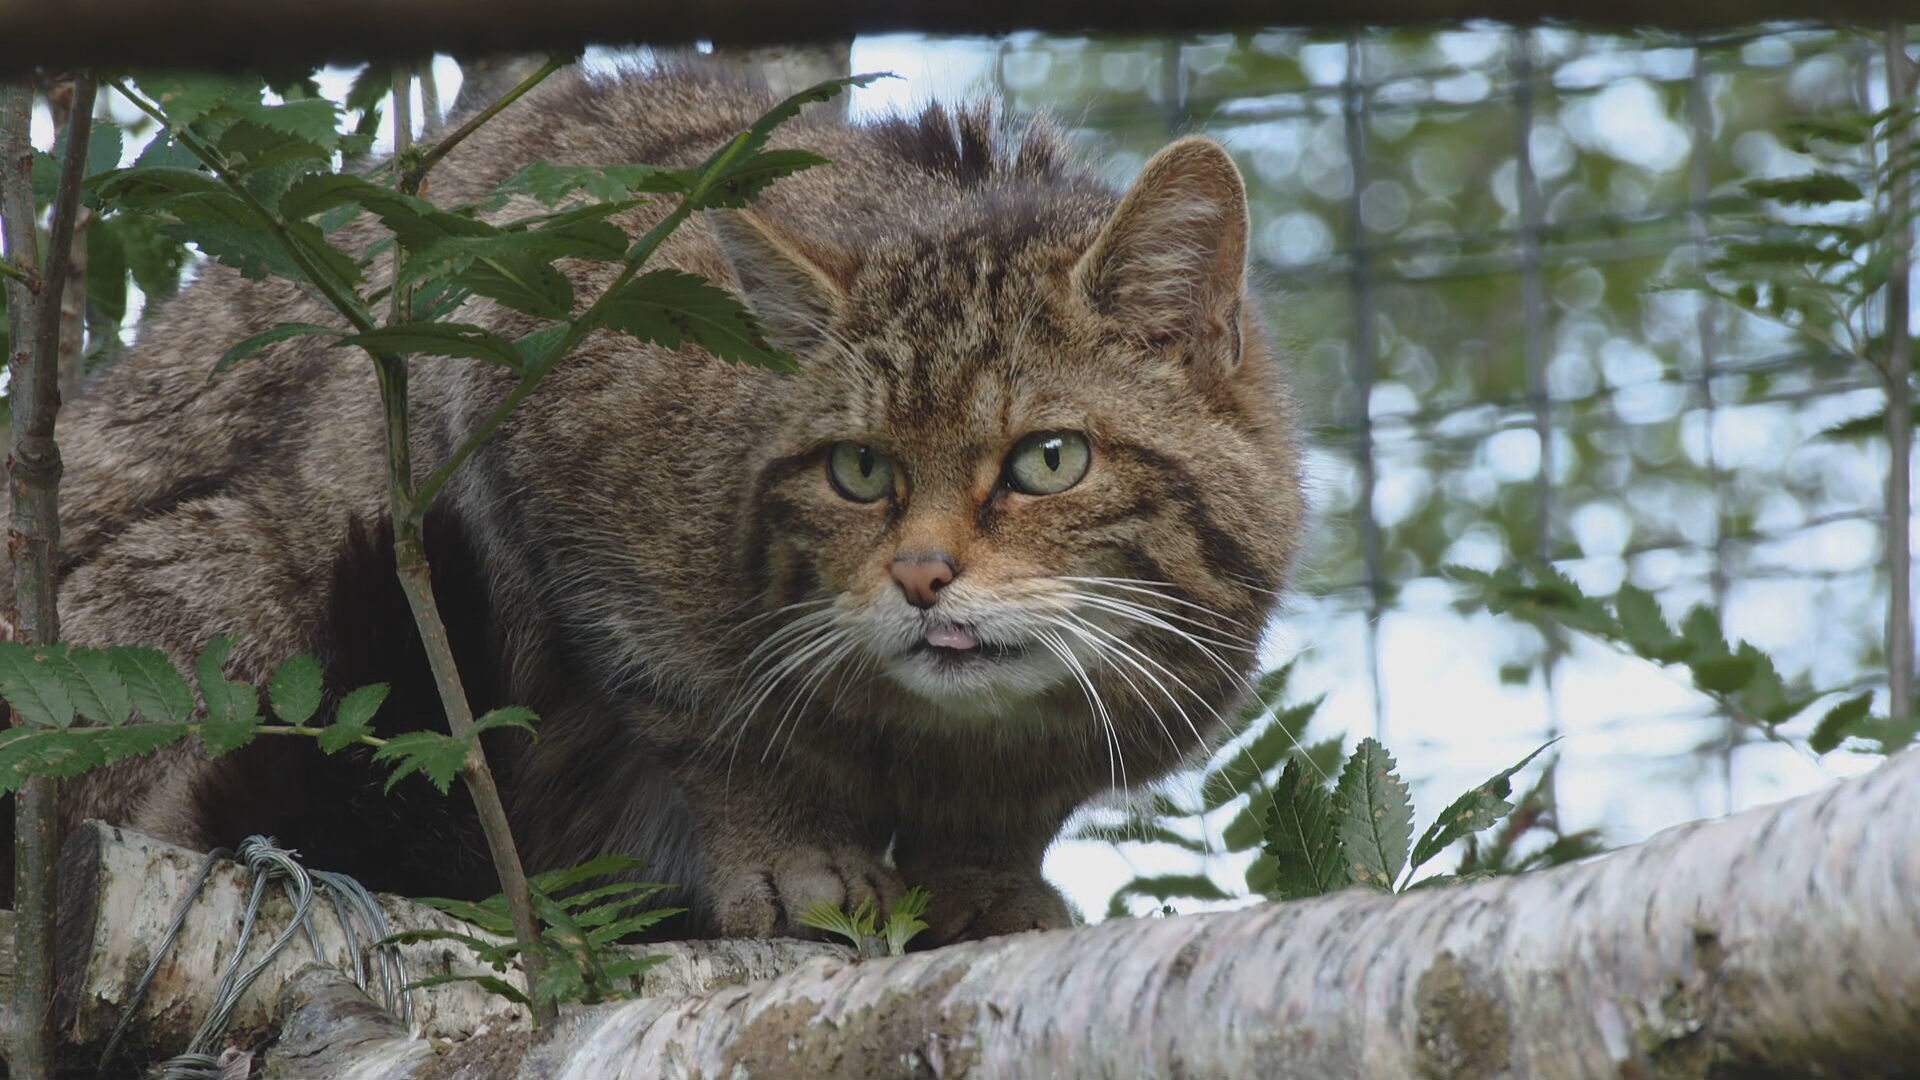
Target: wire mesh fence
1468, 239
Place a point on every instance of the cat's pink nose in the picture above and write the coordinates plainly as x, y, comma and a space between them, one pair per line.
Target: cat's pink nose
921, 577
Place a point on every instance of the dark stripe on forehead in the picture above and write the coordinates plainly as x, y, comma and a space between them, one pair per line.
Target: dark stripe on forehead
1224, 555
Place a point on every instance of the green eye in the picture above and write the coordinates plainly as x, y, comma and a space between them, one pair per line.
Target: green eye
1049, 462
858, 472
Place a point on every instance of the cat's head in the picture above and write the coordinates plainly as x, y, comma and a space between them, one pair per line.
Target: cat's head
1040, 445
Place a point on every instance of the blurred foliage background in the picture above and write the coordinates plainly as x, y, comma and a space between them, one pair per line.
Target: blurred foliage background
1465, 235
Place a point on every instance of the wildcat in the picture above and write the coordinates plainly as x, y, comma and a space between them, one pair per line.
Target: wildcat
1003, 544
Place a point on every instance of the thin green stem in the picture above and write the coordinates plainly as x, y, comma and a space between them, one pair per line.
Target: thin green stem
411, 178
14, 273
302, 730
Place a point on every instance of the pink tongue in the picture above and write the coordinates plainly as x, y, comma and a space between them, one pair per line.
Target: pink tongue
952, 637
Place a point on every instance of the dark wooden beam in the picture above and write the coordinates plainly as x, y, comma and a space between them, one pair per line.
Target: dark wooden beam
302, 33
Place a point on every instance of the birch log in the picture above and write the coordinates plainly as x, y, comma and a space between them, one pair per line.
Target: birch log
120, 891
1783, 942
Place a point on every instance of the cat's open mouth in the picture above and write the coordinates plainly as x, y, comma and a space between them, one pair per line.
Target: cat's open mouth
959, 645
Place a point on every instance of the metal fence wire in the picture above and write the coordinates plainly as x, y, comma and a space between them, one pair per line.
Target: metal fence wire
1464, 237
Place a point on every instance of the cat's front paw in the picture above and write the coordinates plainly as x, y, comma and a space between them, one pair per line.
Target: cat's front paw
970, 903
768, 900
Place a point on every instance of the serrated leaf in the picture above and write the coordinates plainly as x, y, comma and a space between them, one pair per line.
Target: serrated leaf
159, 691
1302, 837
489, 914
252, 251
752, 140
490, 983
516, 716
1722, 674
151, 187
1872, 425
605, 183
1702, 630
97, 689
248, 346
33, 686
438, 339
1480, 808
672, 307
233, 709
524, 283
436, 756
353, 719
60, 753
577, 239
1840, 721
602, 936
1374, 813
1644, 627
742, 180
186, 98
294, 689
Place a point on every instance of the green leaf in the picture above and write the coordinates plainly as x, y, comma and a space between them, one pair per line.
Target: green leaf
672, 307
438, 339
577, 239
248, 346
602, 936
1722, 674
1871, 426
248, 249
149, 188
856, 927
743, 180
490, 983
524, 283
60, 753
436, 756
906, 920
186, 98
1138, 831
517, 716
107, 267
489, 914
1840, 721
1478, 809
1164, 887
295, 689
158, 690
1302, 837
755, 138
32, 685
1813, 189
353, 719
1374, 812
605, 183
98, 691
1644, 627
233, 709
556, 881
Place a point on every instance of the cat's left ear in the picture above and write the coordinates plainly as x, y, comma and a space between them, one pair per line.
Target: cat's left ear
1171, 263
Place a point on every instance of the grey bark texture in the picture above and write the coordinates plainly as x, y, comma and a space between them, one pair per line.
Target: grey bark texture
279, 33
1784, 941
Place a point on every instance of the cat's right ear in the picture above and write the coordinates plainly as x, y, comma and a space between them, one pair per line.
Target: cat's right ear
796, 285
